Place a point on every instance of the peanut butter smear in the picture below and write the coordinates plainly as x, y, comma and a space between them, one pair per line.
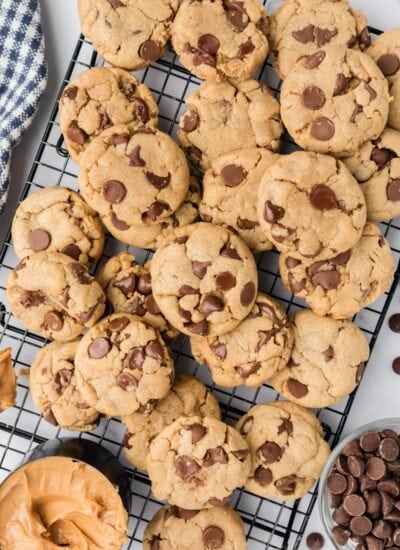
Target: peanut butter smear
58, 502
7, 380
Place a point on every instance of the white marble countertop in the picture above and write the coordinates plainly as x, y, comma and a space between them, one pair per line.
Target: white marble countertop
378, 396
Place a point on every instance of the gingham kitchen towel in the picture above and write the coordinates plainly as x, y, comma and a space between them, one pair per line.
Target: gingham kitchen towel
23, 76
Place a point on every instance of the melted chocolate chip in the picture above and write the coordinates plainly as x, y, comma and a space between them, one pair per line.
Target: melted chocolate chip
70, 92
200, 268
199, 329
393, 190
135, 359
245, 49
296, 388
229, 252
141, 109
150, 51
364, 38
323, 198
118, 224
185, 466
215, 456
324, 36
211, 304
313, 98
322, 128
225, 281
219, 350
54, 321
270, 452
328, 280
114, 191
119, 139
62, 379
118, 323
314, 60
237, 16
73, 251
357, 110
99, 348
190, 121
126, 381
232, 175
389, 64
304, 35
155, 210
341, 85
273, 213
32, 298
76, 134
159, 182
213, 537
126, 285
263, 476
135, 159
208, 43
39, 239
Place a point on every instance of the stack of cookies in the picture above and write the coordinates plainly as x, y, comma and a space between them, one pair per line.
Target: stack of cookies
340, 103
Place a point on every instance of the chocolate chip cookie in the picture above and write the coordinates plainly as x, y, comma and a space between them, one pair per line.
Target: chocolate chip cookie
123, 366
204, 279
127, 286
216, 39
128, 33
52, 383
188, 397
230, 189
310, 206
334, 100
150, 236
251, 353
376, 165
175, 528
197, 462
99, 98
342, 285
327, 361
299, 28
54, 295
287, 449
133, 177
56, 219
222, 117
386, 52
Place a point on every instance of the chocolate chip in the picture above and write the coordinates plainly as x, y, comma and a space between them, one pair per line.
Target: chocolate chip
155, 542
396, 365
79, 271
186, 290
62, 379
70, 92
328, 280
245, 49
154, 350
144, 284
213, 537
364, 38
388, 449
225, 281
151, 305
360, 372
245, 373
210, 305
328, 354
341, 517
389, 64
393, 190
357, 110
361, 525
270, 452
99, 348
237, 16
105, 121
315, 541
296, 388
134, 157
185, 466
118, 139
356, 466
381, 157
247, 294
159, 182
76, 134
314, 60
208, 43
218, 501
219, 350
354, 505
337, 483
50, 418
232, 175
273, 213
215, 456
376, 468
141, 109
228, 251
114, 191
199, 329
341, 259
382, 530
304, 35
340, 535
389, 486
292, 262
84, 317
190, 121
341, 84
286, 485
116, 4
135, 359
369, 441
184, 313
313, 98
322, 128
126, 285
296, 286
118, 224
155, 210
200, 268
150, 51
324, 36
263, 476
72, 251
246, 224
39, 239
286, 426
126, 381
54, 321
371, 91
198, 432
247, 425
181, 513
241, 455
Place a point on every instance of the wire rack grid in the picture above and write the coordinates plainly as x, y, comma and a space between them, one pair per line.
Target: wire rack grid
269, 524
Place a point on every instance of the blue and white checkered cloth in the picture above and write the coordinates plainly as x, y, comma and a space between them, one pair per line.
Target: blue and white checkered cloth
23, 76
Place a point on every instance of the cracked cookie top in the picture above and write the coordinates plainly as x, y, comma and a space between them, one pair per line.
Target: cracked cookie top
385, 50
54, 295
299, 28
204, 279
334, 100
197, 462
342, 285
123, 366
310, 206
99, 98
178, 529
129, 34
376, 165
56, 219
133, 177
219, 39
230, 189
223, 117
287, 449
188, 397
252, 352
128, 288
52, 383
327, 361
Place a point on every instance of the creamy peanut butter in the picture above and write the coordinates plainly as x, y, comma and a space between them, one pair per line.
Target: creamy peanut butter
60, 502
7, 380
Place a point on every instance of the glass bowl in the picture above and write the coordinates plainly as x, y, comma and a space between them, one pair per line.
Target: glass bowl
325, 511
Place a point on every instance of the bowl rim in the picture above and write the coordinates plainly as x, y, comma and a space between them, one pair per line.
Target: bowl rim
375, 425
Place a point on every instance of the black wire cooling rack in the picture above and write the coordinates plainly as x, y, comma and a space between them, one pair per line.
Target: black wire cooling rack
269, 524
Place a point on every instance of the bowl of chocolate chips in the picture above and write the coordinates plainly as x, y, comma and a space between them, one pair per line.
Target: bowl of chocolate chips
359, 491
